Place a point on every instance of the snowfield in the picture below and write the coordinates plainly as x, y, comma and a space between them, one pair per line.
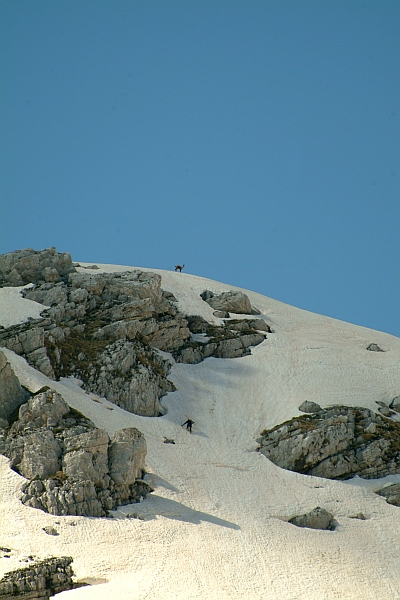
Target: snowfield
216, 525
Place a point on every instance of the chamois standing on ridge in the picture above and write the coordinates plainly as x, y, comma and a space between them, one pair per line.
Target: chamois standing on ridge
179, 268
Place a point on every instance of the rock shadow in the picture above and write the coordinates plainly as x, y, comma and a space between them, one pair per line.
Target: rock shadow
156, 481
170, 509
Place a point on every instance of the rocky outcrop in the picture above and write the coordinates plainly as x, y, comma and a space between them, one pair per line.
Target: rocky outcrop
391, 493
232, 340
107, 329
337, 443
31, 266
319, 518
72, 467
12, 395
231, 302
39, 581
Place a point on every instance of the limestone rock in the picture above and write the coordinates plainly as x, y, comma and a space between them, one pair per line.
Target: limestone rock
72, 467
31, 266
309, 407
107, 329
319, 518
374, 348
391, 493
127, 454
40, 580
12, 395
337, 443
235, 302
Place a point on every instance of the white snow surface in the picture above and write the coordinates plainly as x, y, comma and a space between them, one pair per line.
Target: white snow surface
216, 525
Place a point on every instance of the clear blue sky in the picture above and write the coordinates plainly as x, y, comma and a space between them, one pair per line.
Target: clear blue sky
258, 142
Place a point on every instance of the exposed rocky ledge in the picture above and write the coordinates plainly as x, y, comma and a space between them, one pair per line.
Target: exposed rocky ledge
107, 328
72, 467
28, 265
39, 581
232, 340
337, 443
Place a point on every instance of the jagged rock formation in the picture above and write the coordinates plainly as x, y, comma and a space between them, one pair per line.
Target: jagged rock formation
26, 266
337, 443
230, 302
107, 329
232, 340
319, 518
39, 581
12, 395
72, 467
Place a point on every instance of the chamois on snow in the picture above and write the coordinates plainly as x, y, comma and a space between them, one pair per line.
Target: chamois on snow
179, 268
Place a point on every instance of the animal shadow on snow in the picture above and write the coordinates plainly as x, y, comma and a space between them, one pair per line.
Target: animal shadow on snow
170, 509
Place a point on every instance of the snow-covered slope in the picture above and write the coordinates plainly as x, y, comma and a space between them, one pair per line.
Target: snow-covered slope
216, 525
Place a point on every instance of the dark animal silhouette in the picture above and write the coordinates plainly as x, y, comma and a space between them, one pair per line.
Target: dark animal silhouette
188, 424
179, 268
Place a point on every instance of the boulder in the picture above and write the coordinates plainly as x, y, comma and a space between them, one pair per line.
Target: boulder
30, 266
235, 302
12, 395
309, 407
319, 518
374, 348
391, 493
127, 454
45, 409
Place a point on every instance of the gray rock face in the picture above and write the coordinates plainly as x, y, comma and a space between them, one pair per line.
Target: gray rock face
12, 395
309, 407
72, 467
31, 266
336, 443
391, 493
319, 518
107, 328
127, 453
40, 580
233, 340
235, 302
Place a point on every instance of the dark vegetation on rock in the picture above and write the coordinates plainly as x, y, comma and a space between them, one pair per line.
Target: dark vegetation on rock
107, 329
337, 443
39, 581
72, 467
